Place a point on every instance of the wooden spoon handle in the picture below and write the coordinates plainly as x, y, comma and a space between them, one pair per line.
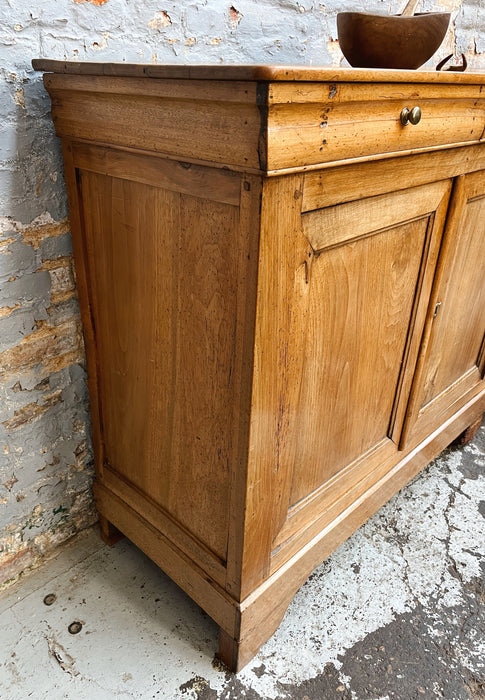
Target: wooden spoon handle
410, 8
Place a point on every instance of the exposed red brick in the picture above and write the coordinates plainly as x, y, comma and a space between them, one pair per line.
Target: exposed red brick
13, 564
7, 310
160, 20
45, 546
62, 278
235, 16
93, 2
70, 358
43, 345
31, 412
6, 241
10, 482
37, 232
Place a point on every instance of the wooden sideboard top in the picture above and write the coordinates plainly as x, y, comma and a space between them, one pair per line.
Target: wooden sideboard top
257, 72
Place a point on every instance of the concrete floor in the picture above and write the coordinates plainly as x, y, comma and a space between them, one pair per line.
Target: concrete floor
397, 612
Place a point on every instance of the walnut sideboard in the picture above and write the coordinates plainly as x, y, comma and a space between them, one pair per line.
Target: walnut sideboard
282, 288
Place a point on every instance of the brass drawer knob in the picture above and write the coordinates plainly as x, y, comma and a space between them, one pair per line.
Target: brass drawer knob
410, 116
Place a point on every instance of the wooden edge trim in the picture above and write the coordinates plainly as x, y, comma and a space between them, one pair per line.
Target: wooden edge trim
474, 186
152, 169
249, 230
327, 189
226, 167
234, 92
257, 72
294, 94
323, 498
454, 392
76, 215
207, 593
338, 224
162, 521
370, 158
455, 210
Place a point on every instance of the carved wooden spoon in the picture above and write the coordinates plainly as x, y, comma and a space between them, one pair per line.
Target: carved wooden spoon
410, 8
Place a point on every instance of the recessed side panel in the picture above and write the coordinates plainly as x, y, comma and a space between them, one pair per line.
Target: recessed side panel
163, 272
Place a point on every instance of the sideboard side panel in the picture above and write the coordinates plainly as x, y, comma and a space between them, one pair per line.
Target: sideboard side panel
166, 279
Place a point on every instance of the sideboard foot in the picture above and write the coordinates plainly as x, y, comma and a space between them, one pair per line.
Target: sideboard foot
233, 654
228, 651
467, 435
109, 533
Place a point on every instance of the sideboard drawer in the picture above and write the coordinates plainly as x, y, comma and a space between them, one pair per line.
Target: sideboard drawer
310, 124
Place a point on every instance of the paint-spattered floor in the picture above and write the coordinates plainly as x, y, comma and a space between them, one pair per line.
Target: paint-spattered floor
396, 612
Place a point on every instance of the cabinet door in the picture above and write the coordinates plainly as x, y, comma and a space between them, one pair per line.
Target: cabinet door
356, 318
452, 359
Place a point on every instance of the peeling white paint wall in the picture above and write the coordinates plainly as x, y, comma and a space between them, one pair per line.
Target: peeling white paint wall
45, 451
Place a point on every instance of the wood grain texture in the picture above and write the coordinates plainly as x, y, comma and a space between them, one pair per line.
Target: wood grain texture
326, 187
83, 282
249, 230
278, 343
361, 299
197, 120
347, 121
265, 365
451, 363
455, 343
314, 512
255, 72
159, 518
191, 578
339, 224
345, 92
262, 611
186, 178
165, 319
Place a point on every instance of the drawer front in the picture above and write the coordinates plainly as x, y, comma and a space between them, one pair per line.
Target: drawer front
313, 124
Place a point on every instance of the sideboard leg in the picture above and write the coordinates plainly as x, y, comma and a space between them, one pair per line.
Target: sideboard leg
228, 651
109, 533
255, 624
235, 655
468, 434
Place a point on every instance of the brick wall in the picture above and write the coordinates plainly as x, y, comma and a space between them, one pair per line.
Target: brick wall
45, 450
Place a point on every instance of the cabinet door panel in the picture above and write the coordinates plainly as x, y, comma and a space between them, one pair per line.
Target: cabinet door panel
367, 293
452, 361
359, 312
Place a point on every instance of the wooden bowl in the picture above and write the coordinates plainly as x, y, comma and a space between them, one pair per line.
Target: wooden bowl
382, 41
